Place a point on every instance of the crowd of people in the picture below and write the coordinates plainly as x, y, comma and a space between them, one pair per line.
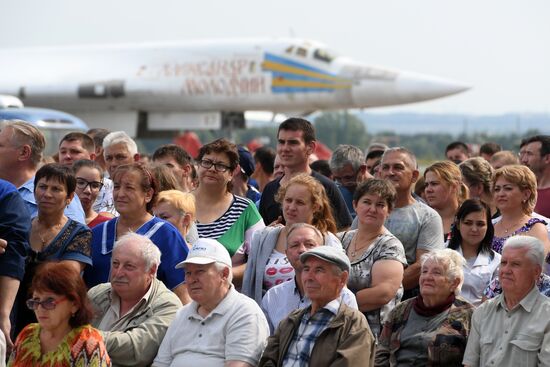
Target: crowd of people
236, 258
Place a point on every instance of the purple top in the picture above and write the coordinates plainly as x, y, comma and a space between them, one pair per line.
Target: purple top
498, 242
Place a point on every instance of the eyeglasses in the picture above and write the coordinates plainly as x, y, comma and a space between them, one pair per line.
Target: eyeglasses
94, 185
47, 304
207, 163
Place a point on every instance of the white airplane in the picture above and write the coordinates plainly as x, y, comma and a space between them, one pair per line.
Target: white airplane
204, 84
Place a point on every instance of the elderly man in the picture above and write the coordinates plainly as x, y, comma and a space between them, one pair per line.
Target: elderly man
221, 327
415, 224
135, 308
513, 329
286, 297
327, 332
21, 148
119, 149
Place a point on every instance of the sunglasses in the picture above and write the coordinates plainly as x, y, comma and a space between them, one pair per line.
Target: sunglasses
47, 304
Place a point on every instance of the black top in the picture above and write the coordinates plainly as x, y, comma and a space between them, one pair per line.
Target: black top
270, 210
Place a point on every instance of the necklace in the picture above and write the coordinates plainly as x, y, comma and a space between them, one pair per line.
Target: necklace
51, 232
506, 230
368, 242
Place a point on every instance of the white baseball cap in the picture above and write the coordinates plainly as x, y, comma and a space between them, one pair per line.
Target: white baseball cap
206, 251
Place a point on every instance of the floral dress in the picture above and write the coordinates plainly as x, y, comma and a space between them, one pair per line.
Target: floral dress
82, 346
498, 242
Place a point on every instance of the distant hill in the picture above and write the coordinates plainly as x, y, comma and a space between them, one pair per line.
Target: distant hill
415, 123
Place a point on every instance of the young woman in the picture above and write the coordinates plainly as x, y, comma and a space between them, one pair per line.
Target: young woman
445, 191
89, 181
472, 236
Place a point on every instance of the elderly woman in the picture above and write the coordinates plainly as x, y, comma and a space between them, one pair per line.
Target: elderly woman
377, 257
222, 216
445, 191
89, 182
53, 237
431, 329
62, 337
135, 192
303, 200
178, 208
515, 195
471, 236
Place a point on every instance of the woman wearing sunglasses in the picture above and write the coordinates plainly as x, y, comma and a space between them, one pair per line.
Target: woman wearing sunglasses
89, 181
62, 337
53, 237
220, 215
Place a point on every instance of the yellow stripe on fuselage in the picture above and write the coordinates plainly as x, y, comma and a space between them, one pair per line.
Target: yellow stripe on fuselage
275, 66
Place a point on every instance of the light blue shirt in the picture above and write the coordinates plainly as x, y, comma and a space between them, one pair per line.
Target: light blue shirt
73, 210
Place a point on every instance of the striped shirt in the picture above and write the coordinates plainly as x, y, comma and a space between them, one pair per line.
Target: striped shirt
311, 326
235, 227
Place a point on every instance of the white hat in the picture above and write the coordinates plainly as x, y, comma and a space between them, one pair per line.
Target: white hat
206, 251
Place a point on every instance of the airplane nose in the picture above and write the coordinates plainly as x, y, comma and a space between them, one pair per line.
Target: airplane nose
402, 87
422, 87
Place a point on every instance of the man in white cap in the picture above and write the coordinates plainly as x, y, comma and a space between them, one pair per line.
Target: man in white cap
327, 332
221, 327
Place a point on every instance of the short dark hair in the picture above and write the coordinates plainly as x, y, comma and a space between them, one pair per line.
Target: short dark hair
63, 279
266, 157
489, 148
376, 186
299, 124
375, 154
221, 146
98, 135
58, 172
179, 154
321, 166
544, 141
467, 207
86, 142
457, 144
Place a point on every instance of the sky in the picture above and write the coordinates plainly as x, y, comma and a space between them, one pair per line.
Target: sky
500, 48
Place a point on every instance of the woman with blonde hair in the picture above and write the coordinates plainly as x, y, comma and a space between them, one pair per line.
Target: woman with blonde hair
303, 200
445, 191
515, 196
178, 208
477, 174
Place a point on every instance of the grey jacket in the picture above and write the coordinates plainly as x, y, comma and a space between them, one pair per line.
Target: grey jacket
261, 246
135, 339
346, 342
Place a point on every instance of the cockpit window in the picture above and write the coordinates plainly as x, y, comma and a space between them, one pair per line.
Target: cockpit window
301, 51
322, 55
289, 50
